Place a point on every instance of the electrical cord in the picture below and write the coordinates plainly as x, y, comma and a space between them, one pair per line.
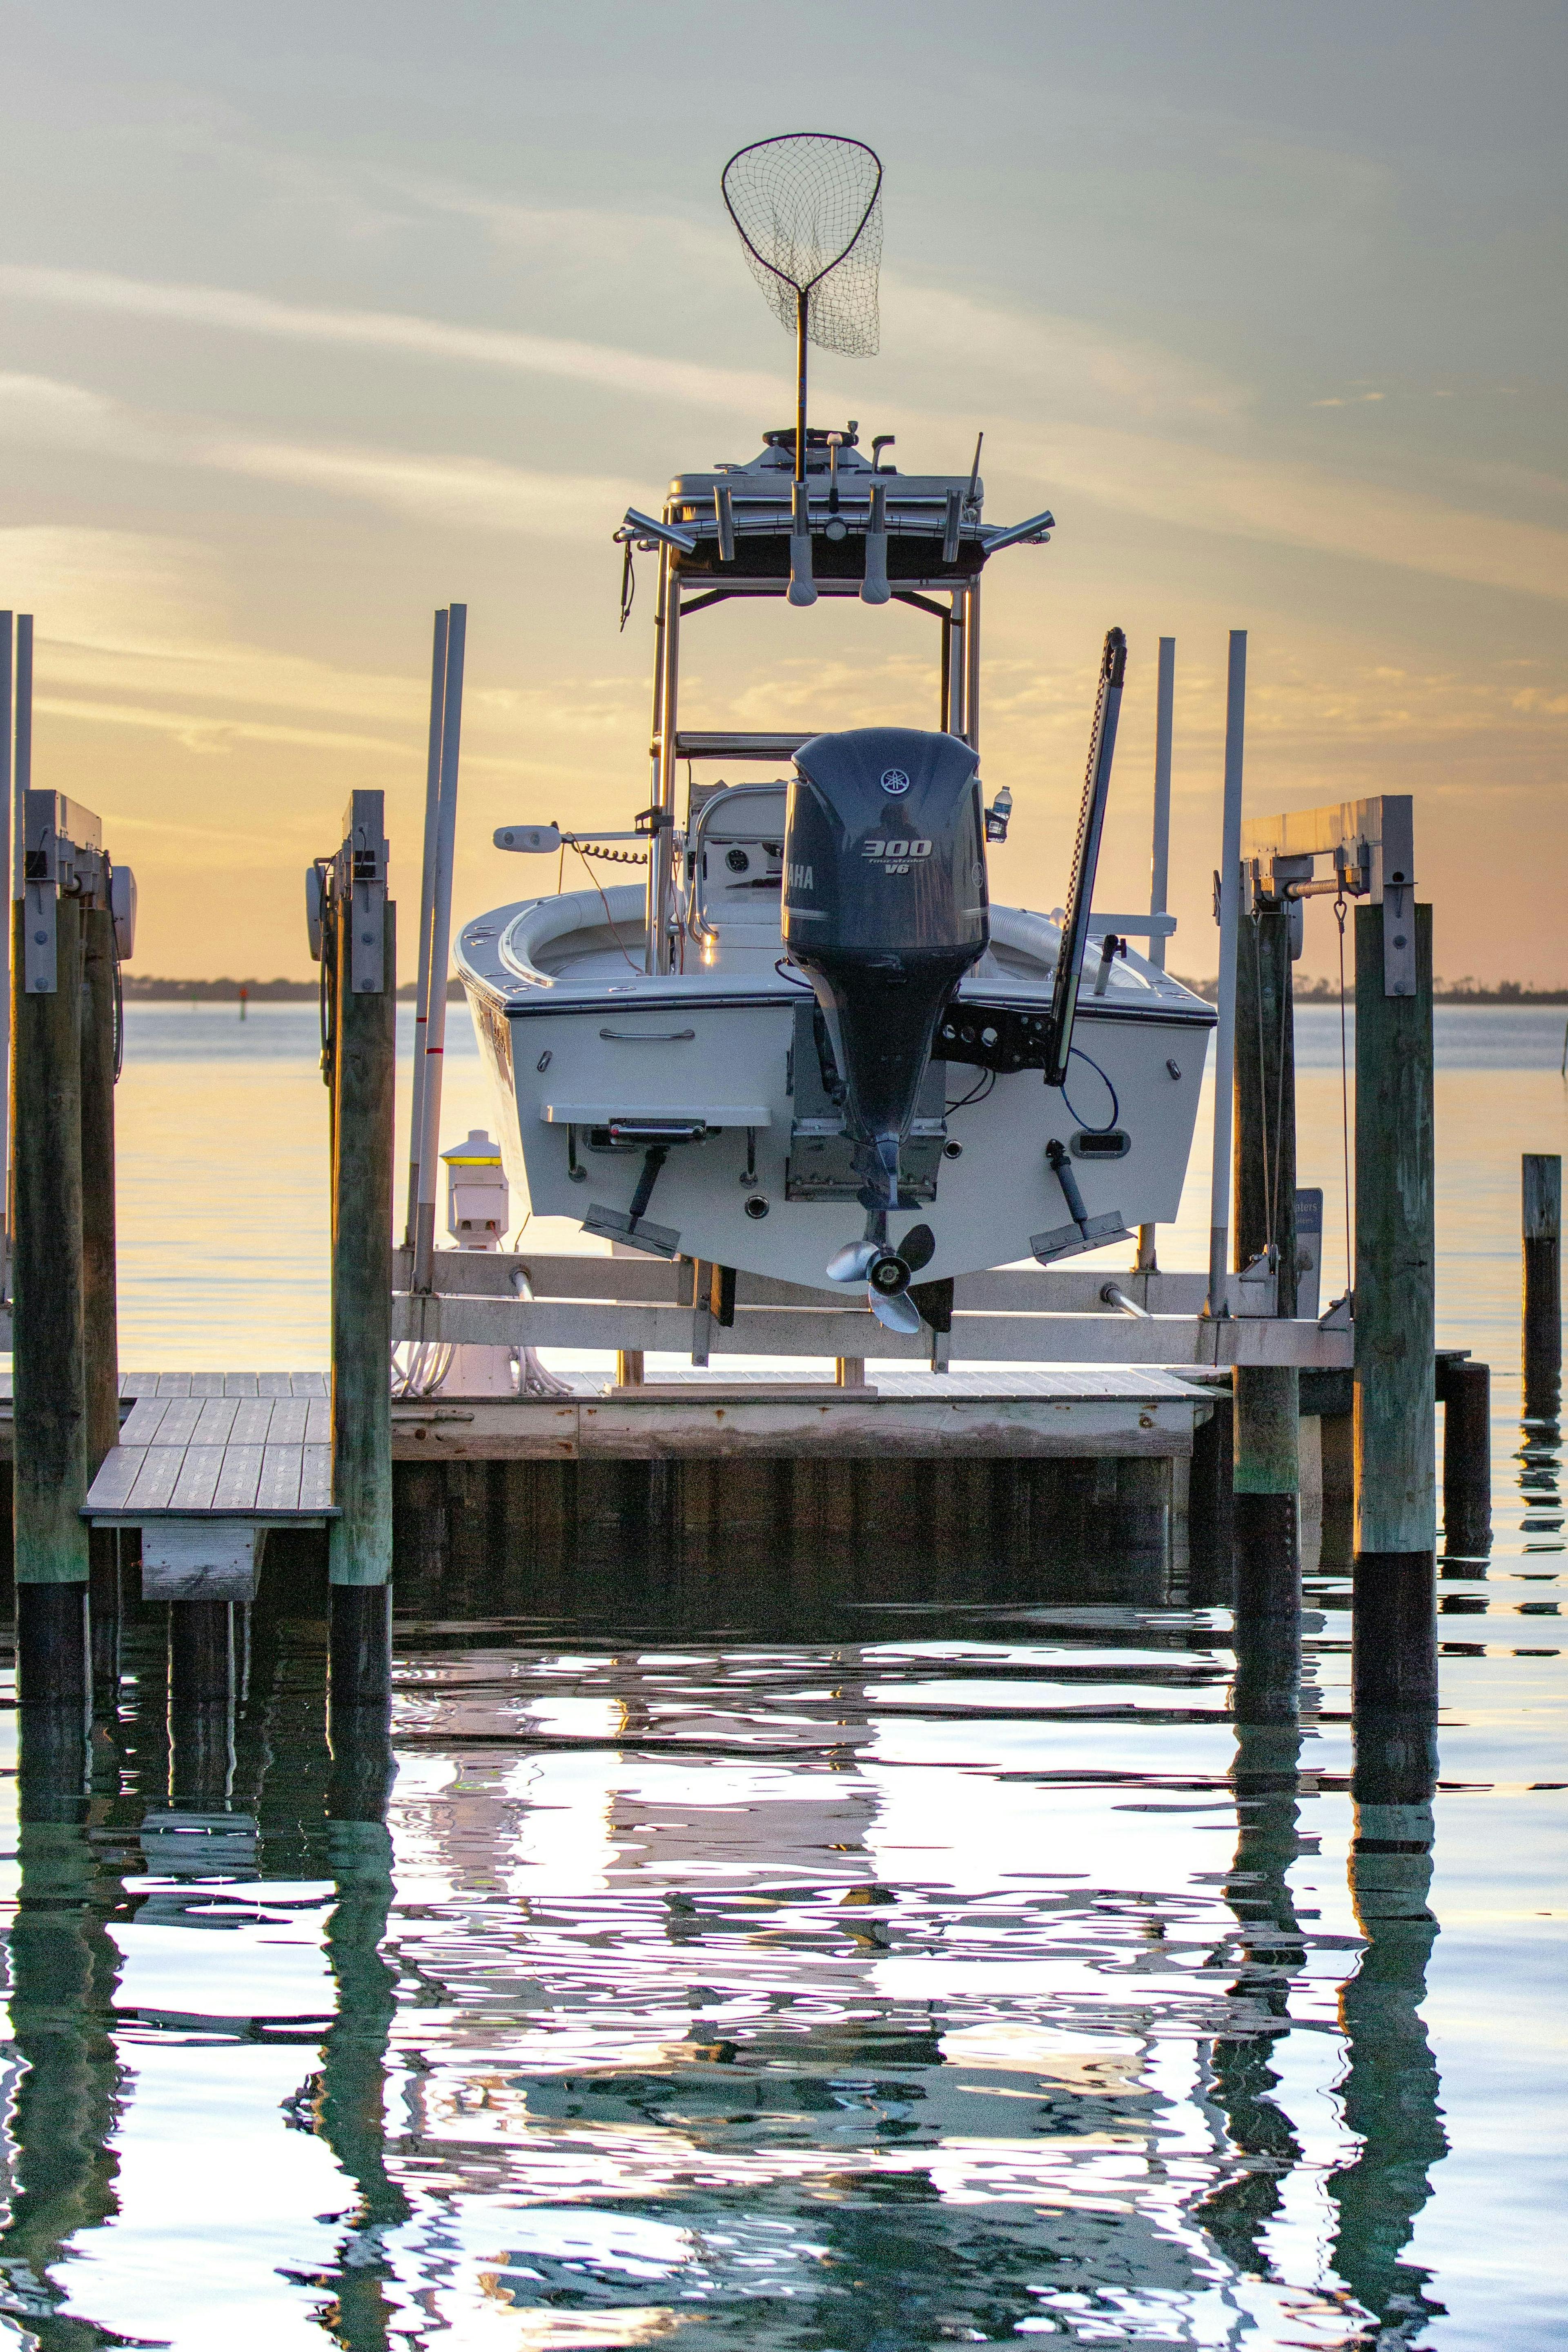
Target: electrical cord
600, 889
1077, 1053
977, 1093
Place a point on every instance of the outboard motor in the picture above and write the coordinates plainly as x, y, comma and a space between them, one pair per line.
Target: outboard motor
885, 910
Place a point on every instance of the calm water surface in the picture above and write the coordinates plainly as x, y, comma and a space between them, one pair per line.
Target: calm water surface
837, 1955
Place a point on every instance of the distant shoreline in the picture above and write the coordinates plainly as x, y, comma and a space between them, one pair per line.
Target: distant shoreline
145, 989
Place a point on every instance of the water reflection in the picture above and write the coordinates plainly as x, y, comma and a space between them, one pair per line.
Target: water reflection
1390, 2087
872, 1984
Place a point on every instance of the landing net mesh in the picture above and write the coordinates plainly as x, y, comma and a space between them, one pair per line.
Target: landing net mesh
809, 211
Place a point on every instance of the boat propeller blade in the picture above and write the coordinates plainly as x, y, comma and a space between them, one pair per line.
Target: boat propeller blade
896, 1312
849, 1263
918, 1247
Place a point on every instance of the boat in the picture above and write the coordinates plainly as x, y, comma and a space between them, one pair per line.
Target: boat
807, 1044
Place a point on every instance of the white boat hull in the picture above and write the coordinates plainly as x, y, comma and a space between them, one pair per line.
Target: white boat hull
573, 1044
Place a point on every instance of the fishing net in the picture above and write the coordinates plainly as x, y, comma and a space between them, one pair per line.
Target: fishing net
809, 210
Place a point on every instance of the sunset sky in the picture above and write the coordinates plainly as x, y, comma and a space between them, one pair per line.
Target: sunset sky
315, 318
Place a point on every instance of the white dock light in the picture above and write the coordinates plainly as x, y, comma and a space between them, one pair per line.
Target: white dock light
477, 1196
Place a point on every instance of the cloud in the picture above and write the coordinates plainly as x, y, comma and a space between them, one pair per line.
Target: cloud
638, 373
472, 493
1197, 487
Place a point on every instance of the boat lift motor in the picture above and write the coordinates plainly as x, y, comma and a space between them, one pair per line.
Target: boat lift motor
885, 910
477, 1196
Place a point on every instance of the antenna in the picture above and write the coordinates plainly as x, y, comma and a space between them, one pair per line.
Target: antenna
807, 207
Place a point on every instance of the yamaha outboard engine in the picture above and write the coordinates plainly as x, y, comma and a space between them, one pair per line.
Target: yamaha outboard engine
884, 909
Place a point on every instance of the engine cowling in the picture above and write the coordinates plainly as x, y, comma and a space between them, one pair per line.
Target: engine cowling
885, 908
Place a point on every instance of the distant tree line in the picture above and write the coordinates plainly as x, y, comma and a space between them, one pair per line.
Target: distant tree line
146, 988
1447, 992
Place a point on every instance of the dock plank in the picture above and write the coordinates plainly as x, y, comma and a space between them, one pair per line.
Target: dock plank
178, 1425
319, 1421
290, 1417
157, 1478
216, 1421
279, 1486
143, 1424
316, 1478
239, 1384
175, 1384
308, 1384
239, 1479
252, 1420
116, 1477
198, 1478
274, 1384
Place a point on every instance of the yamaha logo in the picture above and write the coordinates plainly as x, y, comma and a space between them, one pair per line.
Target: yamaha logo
895, 781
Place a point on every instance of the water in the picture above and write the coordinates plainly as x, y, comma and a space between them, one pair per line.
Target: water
822, 1956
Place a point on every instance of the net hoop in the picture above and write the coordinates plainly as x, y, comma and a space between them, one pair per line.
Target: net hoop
816, 208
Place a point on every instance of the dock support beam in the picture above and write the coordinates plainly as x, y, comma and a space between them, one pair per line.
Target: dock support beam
1542, 1242
100, 1335
363, 943
1393, 1622
1267, 1470
53, 1667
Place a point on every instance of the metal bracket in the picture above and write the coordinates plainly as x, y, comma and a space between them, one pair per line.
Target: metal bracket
362, 890
1372, 846
62, 849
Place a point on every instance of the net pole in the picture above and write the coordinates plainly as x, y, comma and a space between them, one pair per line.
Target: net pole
802, 316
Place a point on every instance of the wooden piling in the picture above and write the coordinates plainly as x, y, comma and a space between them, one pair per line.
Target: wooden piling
1541, 1227
1465, 1393
1267, 1466
1394, 1624
101, 1341
363, 946
50, 1481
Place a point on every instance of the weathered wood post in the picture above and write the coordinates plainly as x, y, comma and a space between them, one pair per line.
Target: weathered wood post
100, 1334
362, 943
1543, 1243
1393, 1622
1267, 1469
1465, 1393
49, 1479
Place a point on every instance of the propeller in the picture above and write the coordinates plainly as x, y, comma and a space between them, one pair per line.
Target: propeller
886, 1271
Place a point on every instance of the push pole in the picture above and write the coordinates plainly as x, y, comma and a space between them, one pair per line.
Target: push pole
427, 900
363, 943
1229, 916
1159, 859
1393, 1650
441, 950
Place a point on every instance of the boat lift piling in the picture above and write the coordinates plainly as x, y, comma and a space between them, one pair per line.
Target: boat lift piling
359, 948
64, 1365
1394, 1625
100, 1046
436, 893
426, 901
1541, 1232
1160, 858
1266, 1397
